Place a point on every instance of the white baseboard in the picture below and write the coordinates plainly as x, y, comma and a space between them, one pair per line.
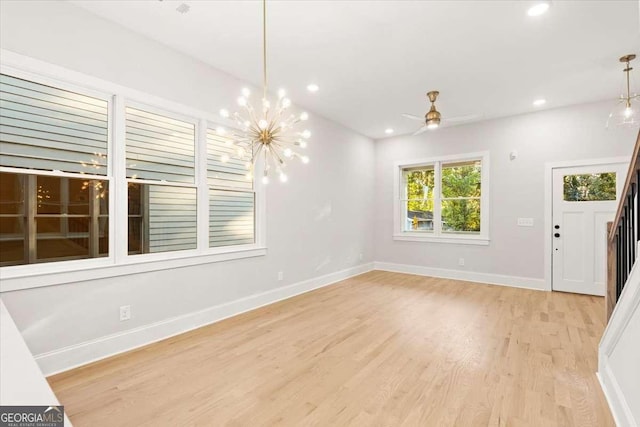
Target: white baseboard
618, 405
80, 354
66, 358
469, 276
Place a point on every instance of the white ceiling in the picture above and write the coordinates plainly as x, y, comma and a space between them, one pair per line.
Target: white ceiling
376, 59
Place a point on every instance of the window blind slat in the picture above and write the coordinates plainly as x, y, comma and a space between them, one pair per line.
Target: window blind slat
52, 106
55, 100
67, 140
28, 162
56, 132
142, 135
160, 158
158, 172
14, 81
148, 125
231, 218
60, 115
230, 183
50, 121
228, 167
42, 127
172, 218
155, 152
137, 114
54, 155
143, 148
223, 241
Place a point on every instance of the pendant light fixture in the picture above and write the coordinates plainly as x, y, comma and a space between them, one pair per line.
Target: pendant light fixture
267, 132
626, 113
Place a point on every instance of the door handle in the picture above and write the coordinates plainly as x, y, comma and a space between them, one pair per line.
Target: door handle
557, 235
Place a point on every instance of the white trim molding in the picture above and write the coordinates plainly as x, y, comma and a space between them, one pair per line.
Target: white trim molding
119, 262
72, 273
468, 276
453, 239
90, 351
628, 308
437, 236
548, 204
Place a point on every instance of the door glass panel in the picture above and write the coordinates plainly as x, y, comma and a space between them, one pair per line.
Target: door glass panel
589, 187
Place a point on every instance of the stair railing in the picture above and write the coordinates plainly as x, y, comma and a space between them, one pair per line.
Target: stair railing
623, 234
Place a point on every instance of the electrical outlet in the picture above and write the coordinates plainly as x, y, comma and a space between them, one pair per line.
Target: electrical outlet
361, 257
461, 261
125, 312
280, 275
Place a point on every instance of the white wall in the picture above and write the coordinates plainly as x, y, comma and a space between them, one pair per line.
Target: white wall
517, 187
317, 223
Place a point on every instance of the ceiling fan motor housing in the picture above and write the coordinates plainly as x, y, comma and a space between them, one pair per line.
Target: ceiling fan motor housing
433, 116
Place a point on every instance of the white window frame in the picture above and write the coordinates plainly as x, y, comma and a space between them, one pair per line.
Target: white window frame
437, 236
121, 180
258, 170
119, 263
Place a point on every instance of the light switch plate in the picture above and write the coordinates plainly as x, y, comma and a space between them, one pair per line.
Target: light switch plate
525, 222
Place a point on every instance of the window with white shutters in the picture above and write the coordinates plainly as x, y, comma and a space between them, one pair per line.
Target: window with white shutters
231, 195
159, 147
67, 146
54, 182
161, 176
47, 128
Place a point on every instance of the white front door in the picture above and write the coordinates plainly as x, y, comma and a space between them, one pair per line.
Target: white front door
584, 200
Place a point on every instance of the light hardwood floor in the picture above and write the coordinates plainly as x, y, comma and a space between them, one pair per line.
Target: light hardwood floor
380, 349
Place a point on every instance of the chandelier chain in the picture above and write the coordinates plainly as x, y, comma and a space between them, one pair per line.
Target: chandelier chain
628, 85
264, 49
265, 130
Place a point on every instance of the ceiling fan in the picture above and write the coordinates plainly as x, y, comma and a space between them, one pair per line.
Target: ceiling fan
433, 117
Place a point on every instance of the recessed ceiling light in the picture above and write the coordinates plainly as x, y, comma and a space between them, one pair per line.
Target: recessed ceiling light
538, 9
183, 8
388, 131
313, 88
539, 102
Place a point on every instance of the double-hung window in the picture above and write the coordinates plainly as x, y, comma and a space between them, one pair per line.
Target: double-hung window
54, 175
137, 186
161, 190
231, 194
443, 199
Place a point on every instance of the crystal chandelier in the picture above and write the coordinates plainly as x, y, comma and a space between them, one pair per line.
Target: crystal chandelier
626, 113
268, 132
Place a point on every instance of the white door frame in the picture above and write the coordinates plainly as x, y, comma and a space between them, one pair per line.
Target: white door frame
548, 204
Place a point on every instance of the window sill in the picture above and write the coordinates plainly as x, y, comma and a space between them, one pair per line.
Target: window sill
451, 239
49, 274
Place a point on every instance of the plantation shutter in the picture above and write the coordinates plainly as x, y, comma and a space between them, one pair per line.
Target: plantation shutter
159, 148
231, 196
46, 128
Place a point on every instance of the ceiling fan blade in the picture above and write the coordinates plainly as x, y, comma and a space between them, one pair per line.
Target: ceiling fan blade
461, 119
421, 130
412, 117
